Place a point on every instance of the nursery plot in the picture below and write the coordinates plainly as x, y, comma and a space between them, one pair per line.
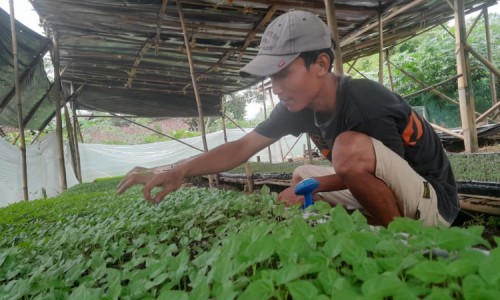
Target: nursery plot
210, 244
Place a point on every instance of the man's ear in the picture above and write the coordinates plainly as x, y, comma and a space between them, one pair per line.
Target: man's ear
323, 62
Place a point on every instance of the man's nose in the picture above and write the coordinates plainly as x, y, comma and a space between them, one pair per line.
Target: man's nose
277, 90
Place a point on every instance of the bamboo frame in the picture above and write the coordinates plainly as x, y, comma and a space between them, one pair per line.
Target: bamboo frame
59, 139
279, 141
353, 35
493, 88
199, 105
389, 69
223, 117
19, 103
265, 117
75, 131
381, 47
332, 23
465, 92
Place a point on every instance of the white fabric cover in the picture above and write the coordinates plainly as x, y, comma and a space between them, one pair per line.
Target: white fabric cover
98, 160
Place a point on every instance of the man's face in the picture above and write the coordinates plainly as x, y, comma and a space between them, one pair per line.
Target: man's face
296, 86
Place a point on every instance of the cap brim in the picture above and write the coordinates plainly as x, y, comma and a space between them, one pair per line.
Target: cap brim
267, 65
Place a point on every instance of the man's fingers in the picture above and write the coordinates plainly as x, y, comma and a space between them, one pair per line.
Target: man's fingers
161, 194
124, 185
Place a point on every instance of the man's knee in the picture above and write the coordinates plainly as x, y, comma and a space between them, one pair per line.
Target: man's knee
353, 153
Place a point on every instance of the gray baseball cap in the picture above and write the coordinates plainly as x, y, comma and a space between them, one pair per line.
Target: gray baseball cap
285, 39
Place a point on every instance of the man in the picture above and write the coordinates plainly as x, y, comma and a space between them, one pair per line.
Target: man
386, 159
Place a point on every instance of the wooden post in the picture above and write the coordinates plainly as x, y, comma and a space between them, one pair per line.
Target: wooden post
57, 85
19, 102
199, 105
493, 88
465, 92
381, 47
265, 117
332, 23
249, 173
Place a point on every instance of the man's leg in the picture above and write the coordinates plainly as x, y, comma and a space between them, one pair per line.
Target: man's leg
355, 163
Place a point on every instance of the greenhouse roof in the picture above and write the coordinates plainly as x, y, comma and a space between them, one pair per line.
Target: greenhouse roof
129, 56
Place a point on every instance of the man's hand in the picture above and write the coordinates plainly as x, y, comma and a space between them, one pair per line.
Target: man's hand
288, 197
170, 180
138, 175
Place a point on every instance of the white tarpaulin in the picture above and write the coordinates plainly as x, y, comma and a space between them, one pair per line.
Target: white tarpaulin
43, 170
99, 161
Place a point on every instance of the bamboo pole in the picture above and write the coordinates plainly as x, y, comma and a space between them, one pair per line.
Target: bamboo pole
332, 23
223, 117
265, 117
59, 140
19, 102
457, 135
234, 122
71, 141
431, 87
380, 47
309, 150
75, 134
485, 62
389, 69
493, 88
465, 92
195, 84
279, 141
488, 112
143, 126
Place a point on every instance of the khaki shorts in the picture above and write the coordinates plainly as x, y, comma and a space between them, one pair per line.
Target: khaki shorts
416, 197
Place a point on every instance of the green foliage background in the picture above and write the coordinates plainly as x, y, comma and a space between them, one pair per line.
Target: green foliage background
430, 57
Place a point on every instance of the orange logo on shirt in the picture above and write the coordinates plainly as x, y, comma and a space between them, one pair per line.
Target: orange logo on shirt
413, 131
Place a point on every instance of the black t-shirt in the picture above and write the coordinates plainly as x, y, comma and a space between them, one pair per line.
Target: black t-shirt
368, 107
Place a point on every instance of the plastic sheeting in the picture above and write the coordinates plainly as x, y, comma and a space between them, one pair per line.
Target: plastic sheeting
43, 170
99, 161
38, 97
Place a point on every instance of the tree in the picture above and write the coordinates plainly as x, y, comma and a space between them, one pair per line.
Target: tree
236, 102
430, 57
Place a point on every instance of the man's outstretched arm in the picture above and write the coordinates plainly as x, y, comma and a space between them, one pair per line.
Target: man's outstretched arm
219, 159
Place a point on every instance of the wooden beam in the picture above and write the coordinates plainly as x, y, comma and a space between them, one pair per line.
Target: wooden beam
248, 40
352, 36
137, 61
161, 13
